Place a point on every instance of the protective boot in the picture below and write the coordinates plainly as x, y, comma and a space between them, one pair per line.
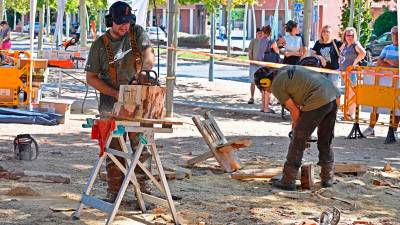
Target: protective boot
327, 175
288, 180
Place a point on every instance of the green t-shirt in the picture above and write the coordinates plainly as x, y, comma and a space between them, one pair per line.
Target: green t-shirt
97, 62
253, 46
308, 89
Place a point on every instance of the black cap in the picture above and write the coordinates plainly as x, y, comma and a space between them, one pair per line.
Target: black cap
258, 29
121, 13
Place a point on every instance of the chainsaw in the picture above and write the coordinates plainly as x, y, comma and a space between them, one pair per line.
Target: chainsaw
23, 148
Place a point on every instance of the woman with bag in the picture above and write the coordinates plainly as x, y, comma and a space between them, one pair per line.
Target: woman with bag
326, 49
351, 54
268, 52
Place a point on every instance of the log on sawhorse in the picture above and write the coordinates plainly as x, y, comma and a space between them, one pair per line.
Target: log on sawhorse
219, 147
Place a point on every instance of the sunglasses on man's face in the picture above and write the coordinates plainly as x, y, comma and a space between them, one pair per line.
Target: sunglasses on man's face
349, 35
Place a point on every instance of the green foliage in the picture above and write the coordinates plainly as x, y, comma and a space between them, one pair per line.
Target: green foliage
385, 22
193, 40
21, 6
366, 18
72, 6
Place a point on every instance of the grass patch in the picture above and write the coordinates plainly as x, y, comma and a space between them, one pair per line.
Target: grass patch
189, 55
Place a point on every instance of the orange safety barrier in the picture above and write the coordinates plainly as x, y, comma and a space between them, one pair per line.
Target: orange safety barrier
373, 87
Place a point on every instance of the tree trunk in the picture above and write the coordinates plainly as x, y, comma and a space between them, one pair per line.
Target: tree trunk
48, 26
41, 23
228, 29
1, 9
140, 101
22, 22
83, 22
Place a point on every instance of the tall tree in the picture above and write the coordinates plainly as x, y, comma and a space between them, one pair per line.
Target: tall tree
365, 17
21, 6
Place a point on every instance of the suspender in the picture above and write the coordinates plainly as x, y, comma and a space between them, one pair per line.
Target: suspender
137, 56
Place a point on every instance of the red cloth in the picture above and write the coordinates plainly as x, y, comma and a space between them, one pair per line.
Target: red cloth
101, 130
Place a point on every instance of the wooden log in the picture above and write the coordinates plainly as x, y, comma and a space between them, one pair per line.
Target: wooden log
350, 168
256, 173
307, 176
140, 101
36, 176
234, 145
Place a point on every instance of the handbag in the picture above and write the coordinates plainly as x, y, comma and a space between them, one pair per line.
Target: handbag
270, 55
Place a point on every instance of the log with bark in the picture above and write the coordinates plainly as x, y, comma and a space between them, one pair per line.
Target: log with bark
140, 101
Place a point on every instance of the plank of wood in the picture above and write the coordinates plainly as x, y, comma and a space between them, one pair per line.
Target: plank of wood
163, 121
36, 176
178, 170
256, 173
350, 168
234, 145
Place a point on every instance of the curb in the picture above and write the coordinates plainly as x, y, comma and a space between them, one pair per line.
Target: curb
227, 63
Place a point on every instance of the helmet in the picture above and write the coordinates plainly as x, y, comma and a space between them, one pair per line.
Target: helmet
312, 61
263, 77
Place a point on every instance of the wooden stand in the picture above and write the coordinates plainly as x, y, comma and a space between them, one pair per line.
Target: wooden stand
147, 139
220, 148
140, 101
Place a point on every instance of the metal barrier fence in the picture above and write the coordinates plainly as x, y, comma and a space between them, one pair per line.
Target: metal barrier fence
375, 90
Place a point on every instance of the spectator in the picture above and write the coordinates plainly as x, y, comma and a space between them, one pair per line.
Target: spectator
294, 44
5, 38
252, 53
389, 58
222, 33
268, 52
327, 50
351, 54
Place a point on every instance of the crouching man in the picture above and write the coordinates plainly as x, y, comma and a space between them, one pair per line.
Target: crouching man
313, 101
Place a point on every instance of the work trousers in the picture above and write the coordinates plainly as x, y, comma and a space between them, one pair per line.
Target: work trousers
115, 176
324, 118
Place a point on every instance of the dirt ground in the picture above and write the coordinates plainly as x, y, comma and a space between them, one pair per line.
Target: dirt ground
210, 195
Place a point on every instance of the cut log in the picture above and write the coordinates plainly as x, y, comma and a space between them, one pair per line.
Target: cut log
307, 176
350, 168
36, 176
234, 145
140, 101
256, 173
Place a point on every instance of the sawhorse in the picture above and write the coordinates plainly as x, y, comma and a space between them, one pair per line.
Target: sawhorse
147, 130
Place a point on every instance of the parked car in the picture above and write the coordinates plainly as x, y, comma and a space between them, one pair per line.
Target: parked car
152, 34
374, 48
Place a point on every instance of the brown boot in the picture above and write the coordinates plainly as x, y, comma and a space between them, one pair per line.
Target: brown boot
288, 180
327, 175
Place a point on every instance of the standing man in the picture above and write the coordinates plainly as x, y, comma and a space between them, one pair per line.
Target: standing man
389, 58
252, 53
106, 73
313, 101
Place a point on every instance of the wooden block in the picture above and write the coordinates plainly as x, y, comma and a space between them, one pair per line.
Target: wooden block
350, 168
140, 101
234, 145
178, 170
256, 173
307, 176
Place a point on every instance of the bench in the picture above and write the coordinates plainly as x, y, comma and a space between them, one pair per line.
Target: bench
220, 147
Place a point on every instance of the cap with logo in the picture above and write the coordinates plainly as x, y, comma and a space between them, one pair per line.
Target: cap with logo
121, 13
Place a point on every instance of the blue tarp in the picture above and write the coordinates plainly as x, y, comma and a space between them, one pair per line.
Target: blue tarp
8, 115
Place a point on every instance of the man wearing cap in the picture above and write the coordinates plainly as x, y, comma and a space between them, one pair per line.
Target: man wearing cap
313, 101
253, 47
106, 73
